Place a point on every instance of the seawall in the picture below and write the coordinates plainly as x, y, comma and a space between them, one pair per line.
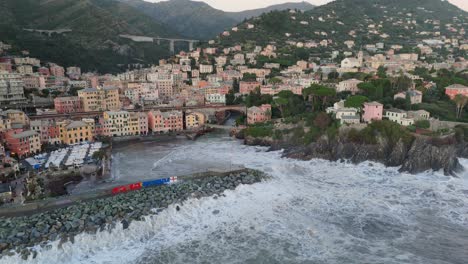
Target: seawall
104, 211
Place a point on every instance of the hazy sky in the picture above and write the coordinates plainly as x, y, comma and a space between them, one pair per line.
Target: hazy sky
239, 5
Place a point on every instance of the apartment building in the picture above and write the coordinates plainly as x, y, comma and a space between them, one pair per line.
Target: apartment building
100, 99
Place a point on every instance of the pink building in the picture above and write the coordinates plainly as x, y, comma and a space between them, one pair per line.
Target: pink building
275, 89
247, 87
142, 122
260, 114
48, 131
93, 81
71, 104
43, 71
372, 111
57, 71
100, 128
224, 89
163, 122
456, 89
33, 81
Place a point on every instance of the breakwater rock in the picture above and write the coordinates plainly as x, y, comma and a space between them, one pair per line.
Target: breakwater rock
18, 235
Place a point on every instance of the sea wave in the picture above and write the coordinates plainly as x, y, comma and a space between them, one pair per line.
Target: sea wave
308, 212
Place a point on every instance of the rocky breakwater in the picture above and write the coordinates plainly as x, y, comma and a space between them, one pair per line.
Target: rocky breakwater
18, 235
413, 154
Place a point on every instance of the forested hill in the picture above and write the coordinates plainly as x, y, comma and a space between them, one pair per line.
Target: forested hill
364, 21
93, 43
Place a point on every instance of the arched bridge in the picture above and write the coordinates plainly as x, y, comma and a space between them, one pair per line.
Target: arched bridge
213, 110
220, 127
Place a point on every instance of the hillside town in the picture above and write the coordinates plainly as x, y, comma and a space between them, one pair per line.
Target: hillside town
199, 131
46, 104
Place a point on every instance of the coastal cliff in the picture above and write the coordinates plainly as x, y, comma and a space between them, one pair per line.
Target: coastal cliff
419, 155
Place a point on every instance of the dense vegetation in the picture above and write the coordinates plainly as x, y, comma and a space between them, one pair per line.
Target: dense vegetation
94, 42
307, 112
385, 129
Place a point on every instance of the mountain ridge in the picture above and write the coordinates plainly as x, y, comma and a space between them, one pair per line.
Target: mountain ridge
200, 20
247, 14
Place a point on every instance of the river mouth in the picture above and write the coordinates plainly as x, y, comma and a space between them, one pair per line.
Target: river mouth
308, 212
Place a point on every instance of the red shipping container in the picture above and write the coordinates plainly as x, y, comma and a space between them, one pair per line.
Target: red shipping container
119, 189
135, 186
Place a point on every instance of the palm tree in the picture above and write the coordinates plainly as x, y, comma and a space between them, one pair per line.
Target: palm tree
460, 101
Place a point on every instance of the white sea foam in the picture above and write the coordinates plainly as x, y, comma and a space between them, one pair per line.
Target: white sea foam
309, 212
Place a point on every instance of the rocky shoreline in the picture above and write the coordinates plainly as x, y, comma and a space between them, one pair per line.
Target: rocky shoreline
18, 235
421, 155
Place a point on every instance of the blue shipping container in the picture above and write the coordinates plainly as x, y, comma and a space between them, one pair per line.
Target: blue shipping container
156, 182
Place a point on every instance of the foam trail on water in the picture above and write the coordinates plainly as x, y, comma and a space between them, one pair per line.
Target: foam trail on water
309, 212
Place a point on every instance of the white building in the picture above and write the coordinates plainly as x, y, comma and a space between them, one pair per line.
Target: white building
206, 68
399, 116
350, 85
215, 98
11, 88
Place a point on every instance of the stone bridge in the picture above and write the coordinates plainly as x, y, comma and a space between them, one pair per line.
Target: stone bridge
211, 112
220, 127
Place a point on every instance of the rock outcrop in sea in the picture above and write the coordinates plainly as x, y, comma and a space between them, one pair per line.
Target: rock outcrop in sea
421, 155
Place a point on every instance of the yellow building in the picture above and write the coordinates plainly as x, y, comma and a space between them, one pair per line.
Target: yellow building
17, 117
117, 123
100, 99
34, 143
74, 132
91, 123
5, 123
123, 123
134, 124
194, 120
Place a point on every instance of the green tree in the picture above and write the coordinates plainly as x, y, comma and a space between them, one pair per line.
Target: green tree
424, 124
382, 72
401, 83
99, 155
73, 91
333, 75
249, 77
275, 81
301, 54
322, 121
318, 94
235, 85
356, 101
255, 98
230, 98
45, 92
281, 103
